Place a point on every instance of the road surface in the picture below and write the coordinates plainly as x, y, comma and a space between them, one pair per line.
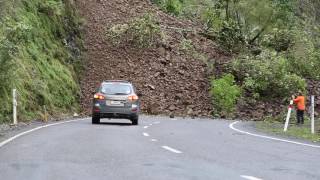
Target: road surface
159, 148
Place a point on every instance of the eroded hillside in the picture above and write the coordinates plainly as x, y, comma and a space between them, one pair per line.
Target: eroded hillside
170, 79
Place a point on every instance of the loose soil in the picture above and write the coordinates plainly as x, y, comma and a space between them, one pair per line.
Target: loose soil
171, 81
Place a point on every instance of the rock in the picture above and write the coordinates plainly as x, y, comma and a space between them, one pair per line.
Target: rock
153, 108
162, 51
190, 112
172, 107
171, 116
151, 87
156, 74
179, 96
75, 115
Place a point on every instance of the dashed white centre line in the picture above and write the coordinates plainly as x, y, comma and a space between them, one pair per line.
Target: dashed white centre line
250, 177
145, 127
154, 140
146, 134
150, 124
171, 149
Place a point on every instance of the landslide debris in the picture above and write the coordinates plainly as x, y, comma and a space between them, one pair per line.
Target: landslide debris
172, 80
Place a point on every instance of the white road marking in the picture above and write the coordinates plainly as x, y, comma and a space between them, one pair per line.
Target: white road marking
171, 149
145, 127
269, 137
250, 177
35, 129
154, 140
146, 134
150, 124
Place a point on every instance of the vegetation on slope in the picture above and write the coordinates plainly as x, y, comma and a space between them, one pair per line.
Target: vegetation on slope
275, 43
39, 56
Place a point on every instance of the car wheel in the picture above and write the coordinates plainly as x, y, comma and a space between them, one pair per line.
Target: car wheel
95, 119
135, 120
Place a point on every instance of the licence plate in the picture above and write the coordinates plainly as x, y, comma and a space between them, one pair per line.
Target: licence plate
116, 103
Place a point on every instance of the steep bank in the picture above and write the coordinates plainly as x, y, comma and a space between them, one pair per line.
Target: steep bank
171, 80
39, 55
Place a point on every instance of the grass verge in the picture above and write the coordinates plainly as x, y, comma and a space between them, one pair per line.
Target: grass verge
294, 131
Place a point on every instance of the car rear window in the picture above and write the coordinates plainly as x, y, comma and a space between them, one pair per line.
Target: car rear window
116, 89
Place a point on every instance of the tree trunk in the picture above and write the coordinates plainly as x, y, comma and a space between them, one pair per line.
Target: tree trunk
227, 10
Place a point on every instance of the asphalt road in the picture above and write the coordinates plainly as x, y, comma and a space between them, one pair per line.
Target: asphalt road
159, 148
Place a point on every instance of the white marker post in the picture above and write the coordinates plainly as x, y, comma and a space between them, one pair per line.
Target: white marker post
14, 102
288, 117
312, 114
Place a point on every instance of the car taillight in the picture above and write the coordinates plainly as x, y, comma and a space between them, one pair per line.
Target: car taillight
99, 96
133, 98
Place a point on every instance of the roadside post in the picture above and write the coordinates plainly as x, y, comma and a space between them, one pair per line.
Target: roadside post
288, 116
312, 114
14, 101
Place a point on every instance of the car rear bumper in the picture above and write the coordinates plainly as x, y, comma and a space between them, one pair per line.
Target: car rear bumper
116, 115
129, 110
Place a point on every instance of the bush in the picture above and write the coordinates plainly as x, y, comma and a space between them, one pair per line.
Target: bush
279, 39
170, 6
211, 19
225, 94
268, 75
230, 37
142, 32
173, 6
304, 56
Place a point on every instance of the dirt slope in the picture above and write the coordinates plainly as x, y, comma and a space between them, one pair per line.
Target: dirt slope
171, 81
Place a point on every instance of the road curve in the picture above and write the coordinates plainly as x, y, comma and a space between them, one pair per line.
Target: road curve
159, 148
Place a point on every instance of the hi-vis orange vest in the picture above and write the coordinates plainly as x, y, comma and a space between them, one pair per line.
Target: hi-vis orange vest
300, 101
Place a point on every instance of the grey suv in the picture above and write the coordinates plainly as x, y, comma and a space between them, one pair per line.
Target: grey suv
116, 99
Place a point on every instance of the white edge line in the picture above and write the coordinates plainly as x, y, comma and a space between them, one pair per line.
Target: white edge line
269, 137
145, 127
154, 140
35, 129
171, 149
250, 177
146, 134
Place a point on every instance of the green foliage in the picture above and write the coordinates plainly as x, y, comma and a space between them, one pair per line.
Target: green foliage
171, 6
267, 75
211, 19
279, 39
187, 45
142, 32
225, 94
51, 8
37, 57
230, 37
304, 56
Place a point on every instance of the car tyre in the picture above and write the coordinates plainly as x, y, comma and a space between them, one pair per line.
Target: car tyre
135, 120
95, 119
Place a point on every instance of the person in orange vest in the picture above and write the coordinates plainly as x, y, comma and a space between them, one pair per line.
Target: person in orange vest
301, 107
